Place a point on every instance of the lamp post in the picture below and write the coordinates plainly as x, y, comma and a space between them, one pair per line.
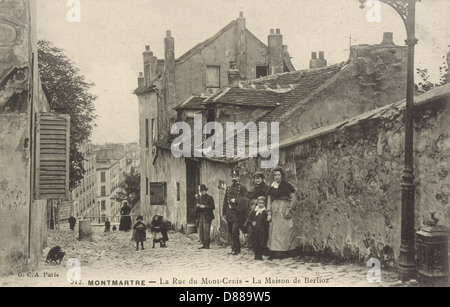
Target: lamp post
407, 269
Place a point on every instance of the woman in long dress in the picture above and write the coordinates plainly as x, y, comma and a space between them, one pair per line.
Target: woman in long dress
280, 199
125, 219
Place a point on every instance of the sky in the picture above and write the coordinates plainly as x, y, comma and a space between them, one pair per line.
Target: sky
107, 42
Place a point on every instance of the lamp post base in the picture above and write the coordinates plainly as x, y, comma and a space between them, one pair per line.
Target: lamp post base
406, 265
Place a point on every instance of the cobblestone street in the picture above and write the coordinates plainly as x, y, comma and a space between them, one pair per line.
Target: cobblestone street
111, 259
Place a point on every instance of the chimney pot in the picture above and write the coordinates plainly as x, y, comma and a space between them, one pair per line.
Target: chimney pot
272, 31
278, 31
168, 33
388, 38
321, 55
314, 55
241, 14
147, 47
232, 64
141, 74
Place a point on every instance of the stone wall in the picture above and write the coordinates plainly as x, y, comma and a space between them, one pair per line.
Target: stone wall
22, 218
348, 181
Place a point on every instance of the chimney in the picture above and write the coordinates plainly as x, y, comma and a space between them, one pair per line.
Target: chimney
233, 74
170, 96
317, 62
241, 45
141, 79
147, 55
388, 38
275, 52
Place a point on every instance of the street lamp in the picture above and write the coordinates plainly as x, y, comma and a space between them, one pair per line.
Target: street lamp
407, 11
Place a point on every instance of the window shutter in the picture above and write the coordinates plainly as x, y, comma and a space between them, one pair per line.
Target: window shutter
52, 156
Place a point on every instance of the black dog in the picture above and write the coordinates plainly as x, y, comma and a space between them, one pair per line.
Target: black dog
55, 254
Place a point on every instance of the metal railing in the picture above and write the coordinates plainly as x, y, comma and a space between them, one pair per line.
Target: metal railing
113, 219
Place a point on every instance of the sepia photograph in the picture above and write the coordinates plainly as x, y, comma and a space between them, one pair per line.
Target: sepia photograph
224, 149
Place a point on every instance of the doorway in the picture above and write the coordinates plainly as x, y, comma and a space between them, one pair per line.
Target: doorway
192, 184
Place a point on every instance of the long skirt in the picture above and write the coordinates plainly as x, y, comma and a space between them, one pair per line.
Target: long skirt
281, 230
125, 223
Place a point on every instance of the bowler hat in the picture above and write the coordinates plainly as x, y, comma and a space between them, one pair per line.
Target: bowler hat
203, 187
139, 217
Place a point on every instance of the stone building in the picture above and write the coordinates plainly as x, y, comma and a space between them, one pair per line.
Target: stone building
300, 101
34, 151
84, 196
166, 83
347, 177
111, 169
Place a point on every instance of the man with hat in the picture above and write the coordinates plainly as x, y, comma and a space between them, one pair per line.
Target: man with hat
234, 210
205, 212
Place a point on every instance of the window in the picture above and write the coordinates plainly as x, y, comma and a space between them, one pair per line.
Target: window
103, 190
262, 71
178, 191
103, 205
154, 132
211, 115
103, 176
146, 186
213, 76
147, 135
158, 193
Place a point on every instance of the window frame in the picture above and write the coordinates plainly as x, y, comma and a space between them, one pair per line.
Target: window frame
218, 76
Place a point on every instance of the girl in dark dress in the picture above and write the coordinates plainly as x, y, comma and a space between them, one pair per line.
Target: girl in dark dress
260, 227
140, 232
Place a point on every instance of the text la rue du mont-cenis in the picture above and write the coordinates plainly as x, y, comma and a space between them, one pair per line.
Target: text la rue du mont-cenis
240, 281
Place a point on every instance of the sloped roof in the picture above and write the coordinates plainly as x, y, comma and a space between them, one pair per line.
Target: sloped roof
389, 111
193, 102
202, 45
234, 95
146, 88
306, 81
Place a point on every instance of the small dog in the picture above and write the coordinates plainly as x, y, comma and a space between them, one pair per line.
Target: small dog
55, 254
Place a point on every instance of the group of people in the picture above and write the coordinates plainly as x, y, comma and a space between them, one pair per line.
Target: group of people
157, 228
264, 213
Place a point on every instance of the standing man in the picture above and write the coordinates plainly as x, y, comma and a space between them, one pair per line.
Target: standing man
234, 210
205, 211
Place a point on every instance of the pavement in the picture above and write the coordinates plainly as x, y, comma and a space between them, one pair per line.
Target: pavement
112, 260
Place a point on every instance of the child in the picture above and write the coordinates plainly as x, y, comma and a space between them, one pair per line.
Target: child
260, 232
157, 228
107, 226
140, 232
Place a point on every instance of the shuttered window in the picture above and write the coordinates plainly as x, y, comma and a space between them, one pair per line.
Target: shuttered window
52, 156
213, 76
158, 193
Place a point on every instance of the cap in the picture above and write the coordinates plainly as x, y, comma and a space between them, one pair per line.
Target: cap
203, 187
258, 174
